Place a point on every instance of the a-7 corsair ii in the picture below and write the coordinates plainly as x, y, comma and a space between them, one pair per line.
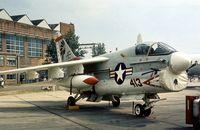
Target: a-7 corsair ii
143, 70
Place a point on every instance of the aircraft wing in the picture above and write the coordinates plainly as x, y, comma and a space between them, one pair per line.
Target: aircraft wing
62, 64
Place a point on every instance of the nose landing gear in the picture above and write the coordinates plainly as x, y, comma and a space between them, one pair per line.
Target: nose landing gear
145, 109
141, 111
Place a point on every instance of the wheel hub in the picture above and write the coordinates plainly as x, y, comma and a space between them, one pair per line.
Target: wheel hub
137, 110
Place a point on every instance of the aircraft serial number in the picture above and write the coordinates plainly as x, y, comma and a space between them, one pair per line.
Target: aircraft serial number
136, 82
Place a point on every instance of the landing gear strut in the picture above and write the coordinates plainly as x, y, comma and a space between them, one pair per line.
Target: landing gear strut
145, 110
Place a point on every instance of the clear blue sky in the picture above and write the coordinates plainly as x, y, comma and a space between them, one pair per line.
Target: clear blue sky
118, 22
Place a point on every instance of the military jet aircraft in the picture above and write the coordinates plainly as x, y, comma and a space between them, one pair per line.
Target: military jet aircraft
143, 70
194, 70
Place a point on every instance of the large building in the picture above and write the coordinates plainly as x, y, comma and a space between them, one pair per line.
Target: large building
23, 42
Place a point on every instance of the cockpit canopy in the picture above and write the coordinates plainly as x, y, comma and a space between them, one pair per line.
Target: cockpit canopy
154, 49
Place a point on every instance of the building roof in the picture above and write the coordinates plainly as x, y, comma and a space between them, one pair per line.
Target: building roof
17, 17
41, 23
22, 19
53, 26
4, 15
36, 22
25, 19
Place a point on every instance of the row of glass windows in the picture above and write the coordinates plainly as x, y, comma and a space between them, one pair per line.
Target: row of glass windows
11, 76
15, 44
35, 47
10, 61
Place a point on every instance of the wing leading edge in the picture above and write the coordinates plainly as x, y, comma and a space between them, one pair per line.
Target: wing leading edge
62, 64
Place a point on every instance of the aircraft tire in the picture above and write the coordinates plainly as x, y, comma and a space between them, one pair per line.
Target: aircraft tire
71, 101
147, 112
139, 110
116, 103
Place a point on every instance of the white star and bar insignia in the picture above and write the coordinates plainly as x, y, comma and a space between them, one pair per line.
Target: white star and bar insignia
120, 73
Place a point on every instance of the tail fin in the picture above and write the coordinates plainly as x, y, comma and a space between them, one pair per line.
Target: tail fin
64, 53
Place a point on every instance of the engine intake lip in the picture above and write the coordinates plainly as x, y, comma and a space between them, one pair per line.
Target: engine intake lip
173, 82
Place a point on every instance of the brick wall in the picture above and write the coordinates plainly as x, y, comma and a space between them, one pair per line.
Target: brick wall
11, 27
25, 29
64, 28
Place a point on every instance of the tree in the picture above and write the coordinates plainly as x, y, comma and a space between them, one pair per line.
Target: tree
72, 41
51, 53
98, 50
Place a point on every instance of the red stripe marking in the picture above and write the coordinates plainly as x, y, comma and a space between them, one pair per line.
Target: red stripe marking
148, 80
58, 38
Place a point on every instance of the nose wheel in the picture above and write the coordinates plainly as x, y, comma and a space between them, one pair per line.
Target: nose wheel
141, 111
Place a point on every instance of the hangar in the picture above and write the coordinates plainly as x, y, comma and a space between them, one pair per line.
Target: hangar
23, 41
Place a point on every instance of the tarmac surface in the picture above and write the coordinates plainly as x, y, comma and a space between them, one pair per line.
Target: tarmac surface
45, 111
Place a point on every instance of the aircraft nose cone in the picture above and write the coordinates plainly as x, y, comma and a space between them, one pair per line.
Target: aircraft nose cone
179, 62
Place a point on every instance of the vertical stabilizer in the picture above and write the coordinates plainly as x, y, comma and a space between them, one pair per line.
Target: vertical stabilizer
64, 53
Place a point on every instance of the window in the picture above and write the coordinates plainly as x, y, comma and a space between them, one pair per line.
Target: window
142, 49
160, 49
35, 47
11, 61
1, 61
0, 41
15, 44
11, 76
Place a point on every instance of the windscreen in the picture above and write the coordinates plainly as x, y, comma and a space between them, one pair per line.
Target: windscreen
159, 48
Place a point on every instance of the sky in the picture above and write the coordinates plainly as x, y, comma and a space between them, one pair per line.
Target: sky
118, 22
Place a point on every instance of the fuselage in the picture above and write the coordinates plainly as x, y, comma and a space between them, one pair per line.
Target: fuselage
194, 70
127, 72
144, 68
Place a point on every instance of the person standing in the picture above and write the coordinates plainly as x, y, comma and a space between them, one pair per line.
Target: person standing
1, 82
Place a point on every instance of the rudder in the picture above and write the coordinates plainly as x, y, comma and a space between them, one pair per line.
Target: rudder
64, 52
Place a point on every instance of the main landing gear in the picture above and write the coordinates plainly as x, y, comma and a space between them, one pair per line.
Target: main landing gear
71, 101
115, 101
